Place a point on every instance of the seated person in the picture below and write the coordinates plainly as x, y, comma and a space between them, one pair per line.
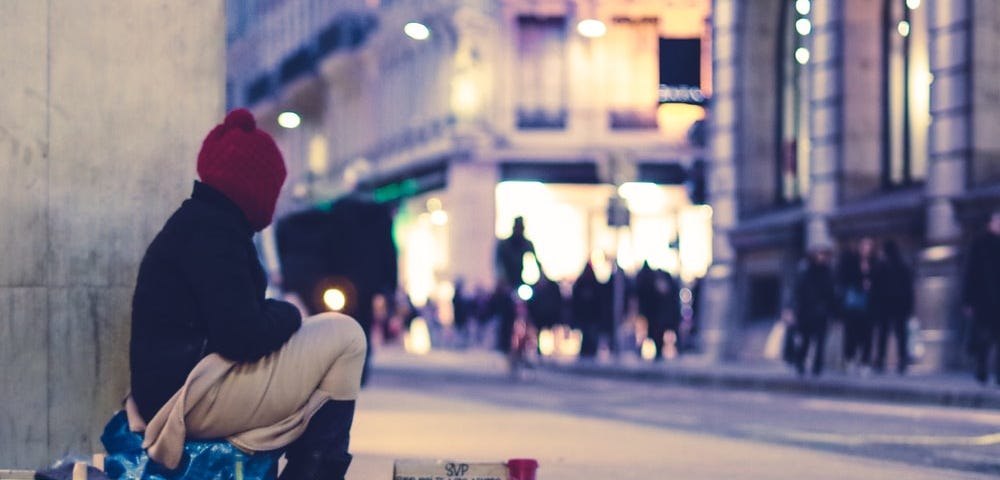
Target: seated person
211, 357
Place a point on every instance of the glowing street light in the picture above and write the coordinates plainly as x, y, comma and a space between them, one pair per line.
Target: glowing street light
591, 28
802, 55
803, 7
289, 120
803, 26
416, 31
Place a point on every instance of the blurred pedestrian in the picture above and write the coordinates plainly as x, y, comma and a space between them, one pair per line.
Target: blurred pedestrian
546, 304
462, 310
892, 303
615, 292
588, 307
509, 256
981, 297
659, 303
503, 312
854, 274
210, 356
814, 301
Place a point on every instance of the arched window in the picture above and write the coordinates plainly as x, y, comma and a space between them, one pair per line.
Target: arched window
906, 93
792, 168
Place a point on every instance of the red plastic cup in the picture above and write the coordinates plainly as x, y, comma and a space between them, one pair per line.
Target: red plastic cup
522, 468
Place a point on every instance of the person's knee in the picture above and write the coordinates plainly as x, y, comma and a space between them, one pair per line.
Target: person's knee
339, 329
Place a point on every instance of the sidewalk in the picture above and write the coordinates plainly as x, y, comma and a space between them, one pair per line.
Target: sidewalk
956, 389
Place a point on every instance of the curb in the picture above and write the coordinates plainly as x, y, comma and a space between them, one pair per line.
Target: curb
974, 396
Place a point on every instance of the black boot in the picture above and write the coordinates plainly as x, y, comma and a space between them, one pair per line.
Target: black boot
321, 451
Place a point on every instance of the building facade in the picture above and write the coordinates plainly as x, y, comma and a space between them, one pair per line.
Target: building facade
869, 119
469, 113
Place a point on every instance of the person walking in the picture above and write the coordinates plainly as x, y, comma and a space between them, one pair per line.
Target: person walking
588, 308
854, 272
892, 305
509, 255
981, 297
210, 356
814, 301
659, 303
546, 303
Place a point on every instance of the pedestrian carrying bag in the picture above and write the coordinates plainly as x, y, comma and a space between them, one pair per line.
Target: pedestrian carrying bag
855, 299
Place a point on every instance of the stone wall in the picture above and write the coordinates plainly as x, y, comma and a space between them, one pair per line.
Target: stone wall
104, 107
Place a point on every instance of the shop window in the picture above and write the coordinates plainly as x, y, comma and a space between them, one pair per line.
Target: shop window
792, 163
906, 93
541, 75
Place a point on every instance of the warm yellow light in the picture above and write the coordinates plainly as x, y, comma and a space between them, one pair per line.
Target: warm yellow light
696, 241
530, 272
546, 342
675, 120
334, 299
433, 204
568, 340
643, 197
464, 95
648, 350
289, 120
439, 218
416, 31
418, 339
591, 28
318, 158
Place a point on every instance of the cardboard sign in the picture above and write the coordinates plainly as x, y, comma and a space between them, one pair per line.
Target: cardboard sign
448, 470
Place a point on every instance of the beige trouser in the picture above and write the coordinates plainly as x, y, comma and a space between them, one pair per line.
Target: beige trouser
266, 404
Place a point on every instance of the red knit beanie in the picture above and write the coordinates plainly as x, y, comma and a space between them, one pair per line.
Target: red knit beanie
243, 162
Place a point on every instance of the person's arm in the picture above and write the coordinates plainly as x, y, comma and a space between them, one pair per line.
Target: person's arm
242, 326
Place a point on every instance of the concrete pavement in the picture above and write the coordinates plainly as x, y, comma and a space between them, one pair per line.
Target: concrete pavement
946, 389
405, 416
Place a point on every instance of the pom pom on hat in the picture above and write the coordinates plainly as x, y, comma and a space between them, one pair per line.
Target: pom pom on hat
243, 163
242, 119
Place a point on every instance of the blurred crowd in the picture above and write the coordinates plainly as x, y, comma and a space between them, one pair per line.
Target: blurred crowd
651, 313
869, 288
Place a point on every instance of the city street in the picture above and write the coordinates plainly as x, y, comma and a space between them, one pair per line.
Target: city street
463, 406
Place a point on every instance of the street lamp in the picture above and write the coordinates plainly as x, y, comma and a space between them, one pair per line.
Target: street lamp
289, 120
591, 28
416, 31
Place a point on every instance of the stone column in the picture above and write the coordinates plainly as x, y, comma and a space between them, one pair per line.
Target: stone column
105, 107
950, 146
718, 293
471, 205
826, 109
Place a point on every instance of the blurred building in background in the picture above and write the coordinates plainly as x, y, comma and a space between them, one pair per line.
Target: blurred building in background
837, 119
584, 117
830, 120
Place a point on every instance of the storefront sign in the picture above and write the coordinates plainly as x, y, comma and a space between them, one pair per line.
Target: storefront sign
681, 94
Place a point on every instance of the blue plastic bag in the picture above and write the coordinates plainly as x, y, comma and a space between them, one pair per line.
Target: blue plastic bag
202, 459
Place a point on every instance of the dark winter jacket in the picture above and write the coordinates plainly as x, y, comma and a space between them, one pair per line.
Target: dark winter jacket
200, 290
892, 290
815, 297
546, 304
588, 301
981, 279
